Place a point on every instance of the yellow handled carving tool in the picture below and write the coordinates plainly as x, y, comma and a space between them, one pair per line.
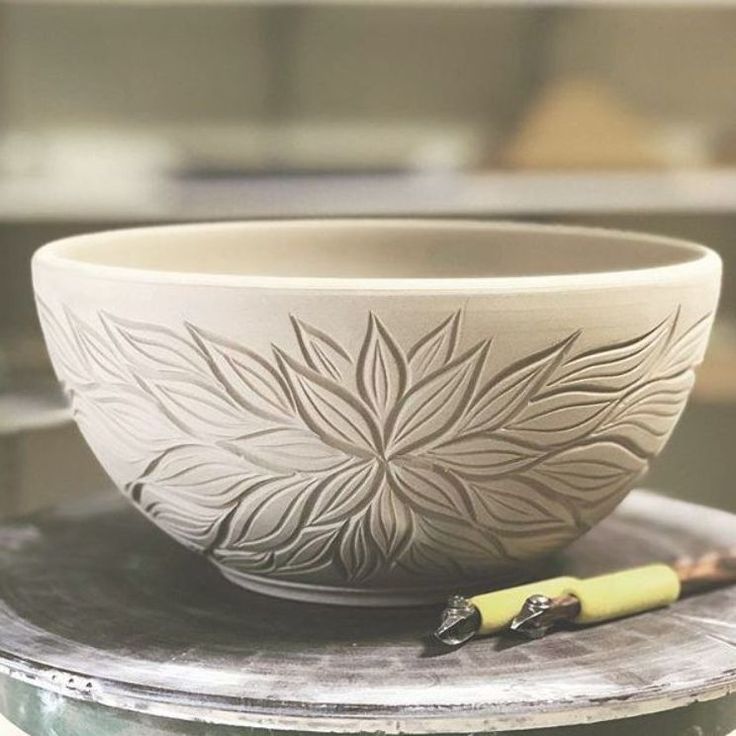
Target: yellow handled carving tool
535, 608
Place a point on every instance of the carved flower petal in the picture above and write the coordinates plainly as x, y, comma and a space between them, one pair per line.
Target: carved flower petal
471, 548
358, 557
687, 350
101, 357
501, 398
514, 509
314, 552
131, 415
152, 347
436, 348
423, 555
288, 449
390, 523
198, 408
305, 537
190, 490
321, 352
271, 515
559, 418
435, 404
329, 410
430, 490
245, 376
645, 417
589, 472
618, 366
66, 353
485, 455
382, 372
124, 418
200, 474
345, 493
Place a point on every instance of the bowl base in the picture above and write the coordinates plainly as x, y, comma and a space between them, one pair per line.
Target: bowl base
370, 597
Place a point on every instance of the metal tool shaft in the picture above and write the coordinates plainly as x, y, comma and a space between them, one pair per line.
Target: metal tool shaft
540, 613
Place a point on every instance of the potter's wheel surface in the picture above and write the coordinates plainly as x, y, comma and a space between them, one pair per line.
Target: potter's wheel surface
96, 604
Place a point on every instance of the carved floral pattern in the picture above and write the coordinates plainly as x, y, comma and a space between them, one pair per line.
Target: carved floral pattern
357, 466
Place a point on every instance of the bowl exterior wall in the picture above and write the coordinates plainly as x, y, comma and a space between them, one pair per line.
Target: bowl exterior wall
373, 446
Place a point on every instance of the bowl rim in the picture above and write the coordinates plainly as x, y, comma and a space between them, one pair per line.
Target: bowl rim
704, 261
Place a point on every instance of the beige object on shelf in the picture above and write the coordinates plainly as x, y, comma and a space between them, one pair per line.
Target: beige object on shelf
580, 123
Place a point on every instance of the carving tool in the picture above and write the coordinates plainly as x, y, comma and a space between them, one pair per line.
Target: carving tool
532, 610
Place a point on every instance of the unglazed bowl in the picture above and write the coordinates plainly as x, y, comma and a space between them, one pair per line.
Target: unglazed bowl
375, 412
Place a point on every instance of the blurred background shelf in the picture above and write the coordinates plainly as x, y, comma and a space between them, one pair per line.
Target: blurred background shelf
30, 408
461, 194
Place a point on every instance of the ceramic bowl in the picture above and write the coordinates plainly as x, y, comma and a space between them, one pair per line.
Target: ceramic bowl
375, 412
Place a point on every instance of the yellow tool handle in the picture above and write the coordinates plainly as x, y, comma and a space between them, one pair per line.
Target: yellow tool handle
625, 593
499, 608
601, 598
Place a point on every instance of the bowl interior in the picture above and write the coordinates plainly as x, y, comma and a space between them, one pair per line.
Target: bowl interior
376, 249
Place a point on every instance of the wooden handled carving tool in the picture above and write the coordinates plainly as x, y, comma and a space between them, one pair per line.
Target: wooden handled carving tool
535, 608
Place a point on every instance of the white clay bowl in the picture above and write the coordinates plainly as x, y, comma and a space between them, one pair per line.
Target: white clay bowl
375, 412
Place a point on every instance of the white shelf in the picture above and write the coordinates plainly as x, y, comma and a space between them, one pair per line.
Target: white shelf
32, 409
479, 194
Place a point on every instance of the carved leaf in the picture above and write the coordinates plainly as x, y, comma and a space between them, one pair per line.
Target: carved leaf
102, 360
644, 418
590, 471
506, 394
390, 524
192, 489
314, 552
124, 421
422, 556
558, 418
344, 493
382, 372
152, 347
685, 352
469, 547
65, 351
287, 450
322, 353
436, 349
199, 408
429, 490
515, 509
484, 455
435, 404
129, 414
247, 378
619, 366
375, 537
357, 554
271, 515
330, 411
